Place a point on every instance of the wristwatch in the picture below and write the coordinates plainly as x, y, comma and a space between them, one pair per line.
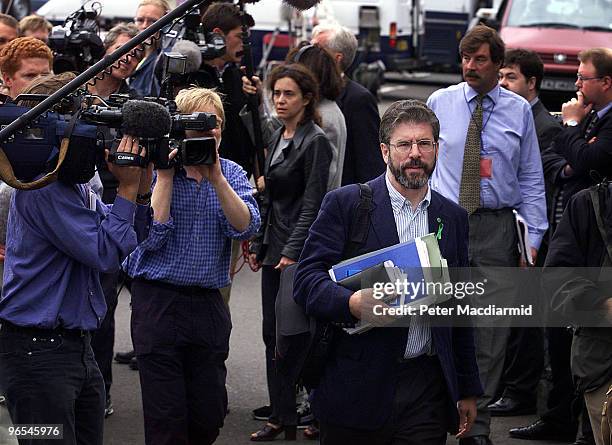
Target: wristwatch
571, 123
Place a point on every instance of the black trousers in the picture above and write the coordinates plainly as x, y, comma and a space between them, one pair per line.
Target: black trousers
103, 339
52, 378
181, 338
419, 415
524, 363
281, 385
562, 393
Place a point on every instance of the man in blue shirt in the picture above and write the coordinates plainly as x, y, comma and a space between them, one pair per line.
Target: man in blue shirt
489, 163
59, 239
180, 324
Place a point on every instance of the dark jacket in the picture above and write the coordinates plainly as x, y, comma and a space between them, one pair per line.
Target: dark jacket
362, 160
358, 386
584, 152
295, 185
236, 143
577, 243
547, 127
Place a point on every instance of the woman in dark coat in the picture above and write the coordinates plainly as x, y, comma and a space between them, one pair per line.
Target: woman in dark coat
296, 177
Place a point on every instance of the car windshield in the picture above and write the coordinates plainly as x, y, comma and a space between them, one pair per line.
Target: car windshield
590, 14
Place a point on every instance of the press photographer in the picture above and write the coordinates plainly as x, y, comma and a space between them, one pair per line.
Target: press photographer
60, 238
223, 73
180, 324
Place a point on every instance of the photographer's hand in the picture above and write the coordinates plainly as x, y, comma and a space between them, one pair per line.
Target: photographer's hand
234, 208
129, 177
252, 86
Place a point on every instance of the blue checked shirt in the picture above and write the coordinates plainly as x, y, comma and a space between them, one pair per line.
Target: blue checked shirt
193, 247
410, 225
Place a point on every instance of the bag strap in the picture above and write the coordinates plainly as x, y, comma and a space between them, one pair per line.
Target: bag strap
8, 175
594, 192
358, 231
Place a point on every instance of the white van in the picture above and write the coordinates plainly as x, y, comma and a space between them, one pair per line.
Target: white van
384, 27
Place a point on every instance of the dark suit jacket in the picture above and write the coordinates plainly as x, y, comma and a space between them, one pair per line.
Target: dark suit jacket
358, 386
546, 126
583, 154
363, 160
295, 185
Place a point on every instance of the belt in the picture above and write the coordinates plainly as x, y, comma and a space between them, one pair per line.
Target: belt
7, 326
184, 290
483, 211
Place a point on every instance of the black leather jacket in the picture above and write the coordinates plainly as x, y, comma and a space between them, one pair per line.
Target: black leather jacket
296, 183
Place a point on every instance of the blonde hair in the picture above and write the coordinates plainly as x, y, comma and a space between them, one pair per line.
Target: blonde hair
162, 4
192, 100
34, 23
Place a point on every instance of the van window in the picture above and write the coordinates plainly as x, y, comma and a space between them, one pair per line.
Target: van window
591, 14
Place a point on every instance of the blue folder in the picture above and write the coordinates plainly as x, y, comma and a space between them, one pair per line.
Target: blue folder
403, 255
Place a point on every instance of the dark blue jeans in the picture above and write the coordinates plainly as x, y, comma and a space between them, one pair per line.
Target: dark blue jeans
52, 378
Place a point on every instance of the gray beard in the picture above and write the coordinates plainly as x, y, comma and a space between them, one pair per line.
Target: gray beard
411, 182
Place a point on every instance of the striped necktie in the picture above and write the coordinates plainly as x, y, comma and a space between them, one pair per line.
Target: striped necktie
469, 191
591, 125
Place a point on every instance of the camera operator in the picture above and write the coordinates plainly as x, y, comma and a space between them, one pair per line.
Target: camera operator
59, 239
113, 83
223, 73
143, 81
22, 61
180, 324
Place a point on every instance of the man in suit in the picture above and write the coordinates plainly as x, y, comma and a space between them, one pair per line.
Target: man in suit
401, 386
362, 160
490, 164
583, 146
522, 73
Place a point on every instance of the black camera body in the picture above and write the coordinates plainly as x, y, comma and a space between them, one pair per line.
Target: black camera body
212, 45
191, 151
76, 45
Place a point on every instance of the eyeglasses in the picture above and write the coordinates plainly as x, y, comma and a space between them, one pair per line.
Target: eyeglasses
581, 78
424, 146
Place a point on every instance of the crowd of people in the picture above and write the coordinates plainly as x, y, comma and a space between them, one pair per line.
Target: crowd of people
458, 165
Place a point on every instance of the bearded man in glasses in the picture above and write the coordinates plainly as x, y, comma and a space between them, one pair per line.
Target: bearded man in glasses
402, 385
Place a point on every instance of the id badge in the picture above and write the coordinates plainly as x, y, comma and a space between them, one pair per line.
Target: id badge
486, 168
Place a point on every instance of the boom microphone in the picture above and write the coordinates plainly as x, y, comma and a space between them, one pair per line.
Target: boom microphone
192, 54
297, 4
144, 119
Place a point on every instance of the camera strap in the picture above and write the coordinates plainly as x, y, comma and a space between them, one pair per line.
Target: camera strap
8, 175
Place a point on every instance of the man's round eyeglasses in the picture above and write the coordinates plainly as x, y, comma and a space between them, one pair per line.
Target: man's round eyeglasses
424, 145
581, 78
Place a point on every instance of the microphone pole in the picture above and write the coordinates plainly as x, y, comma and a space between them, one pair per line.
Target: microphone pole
94, 70
252, 101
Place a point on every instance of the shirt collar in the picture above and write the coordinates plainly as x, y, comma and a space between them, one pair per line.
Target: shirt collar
601, 113
534, 101
398, 201
470, 93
